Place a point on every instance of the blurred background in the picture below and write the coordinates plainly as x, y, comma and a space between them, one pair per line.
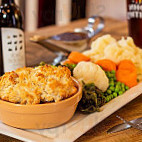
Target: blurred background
39, 13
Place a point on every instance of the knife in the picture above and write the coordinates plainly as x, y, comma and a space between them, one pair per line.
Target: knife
124, 126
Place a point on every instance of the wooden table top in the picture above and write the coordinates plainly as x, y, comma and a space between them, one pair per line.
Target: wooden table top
36, 53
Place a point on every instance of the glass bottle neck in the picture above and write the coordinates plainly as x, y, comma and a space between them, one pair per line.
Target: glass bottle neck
8, 2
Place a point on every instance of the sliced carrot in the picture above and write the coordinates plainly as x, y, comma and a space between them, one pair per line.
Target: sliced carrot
126, 73
68, 61
107, 64
77, 57
126, 65
128, 77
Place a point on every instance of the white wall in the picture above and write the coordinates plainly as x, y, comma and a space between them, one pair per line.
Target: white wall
63, 12
31, 15
17, 2
112, 8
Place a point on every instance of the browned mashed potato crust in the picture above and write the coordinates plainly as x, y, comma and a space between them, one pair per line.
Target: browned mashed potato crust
35, 85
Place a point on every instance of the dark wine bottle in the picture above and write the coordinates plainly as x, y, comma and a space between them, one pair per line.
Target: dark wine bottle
12, 47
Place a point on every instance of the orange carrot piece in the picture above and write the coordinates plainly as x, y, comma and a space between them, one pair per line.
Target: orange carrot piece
68, 61
126, 65
77, 57
128, 77
126, 73
107, 64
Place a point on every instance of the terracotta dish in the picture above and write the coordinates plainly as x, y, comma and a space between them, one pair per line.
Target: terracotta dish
40, 116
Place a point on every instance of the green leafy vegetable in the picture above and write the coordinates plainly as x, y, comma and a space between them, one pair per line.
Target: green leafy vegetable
42, 63
92, 98
71, 67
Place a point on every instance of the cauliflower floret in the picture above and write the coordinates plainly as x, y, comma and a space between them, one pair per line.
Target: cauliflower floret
91, 73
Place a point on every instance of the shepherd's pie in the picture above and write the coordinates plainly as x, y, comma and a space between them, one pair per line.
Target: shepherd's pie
37, 85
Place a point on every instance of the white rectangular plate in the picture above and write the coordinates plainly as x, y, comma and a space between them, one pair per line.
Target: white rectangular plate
77, 126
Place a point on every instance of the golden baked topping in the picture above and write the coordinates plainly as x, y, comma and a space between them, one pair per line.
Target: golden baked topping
35, 85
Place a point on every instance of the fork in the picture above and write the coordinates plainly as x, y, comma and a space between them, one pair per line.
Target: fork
136, 126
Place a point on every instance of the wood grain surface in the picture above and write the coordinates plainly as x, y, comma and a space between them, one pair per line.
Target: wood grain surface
36, 53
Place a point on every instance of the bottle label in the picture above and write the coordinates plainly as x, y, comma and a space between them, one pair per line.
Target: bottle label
135, 9
13, 48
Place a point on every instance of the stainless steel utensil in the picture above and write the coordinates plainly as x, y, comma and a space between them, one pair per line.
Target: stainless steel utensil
134, 125
124, 126
85, 33
89, 28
